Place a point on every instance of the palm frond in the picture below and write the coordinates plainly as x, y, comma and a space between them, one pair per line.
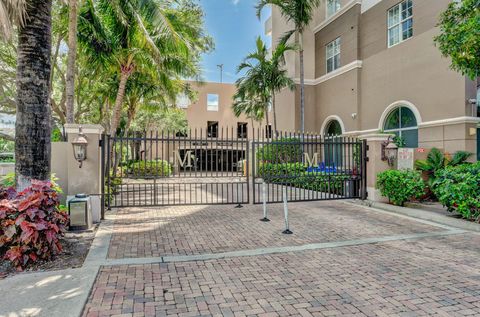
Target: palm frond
459, 158
12, 12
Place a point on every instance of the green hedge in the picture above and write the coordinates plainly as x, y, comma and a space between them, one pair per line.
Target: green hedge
458, 189
277, 172
151, 168
296, 175
285, 150
401, 186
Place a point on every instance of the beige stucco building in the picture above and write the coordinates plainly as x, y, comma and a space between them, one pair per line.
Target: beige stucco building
372, 65
212, 110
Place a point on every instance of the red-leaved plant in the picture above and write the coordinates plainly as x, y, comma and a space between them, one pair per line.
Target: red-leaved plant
30, 224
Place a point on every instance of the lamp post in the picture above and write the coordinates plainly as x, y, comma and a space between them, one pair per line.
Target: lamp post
80, 144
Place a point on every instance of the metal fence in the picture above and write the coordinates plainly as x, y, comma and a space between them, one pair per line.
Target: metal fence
163, 168
213, 167
310, 167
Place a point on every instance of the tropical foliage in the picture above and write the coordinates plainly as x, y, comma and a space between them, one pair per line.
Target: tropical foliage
459, 36
458, 188
174, 27
400, 186
299, 14
437, 160
263, 77
30, 224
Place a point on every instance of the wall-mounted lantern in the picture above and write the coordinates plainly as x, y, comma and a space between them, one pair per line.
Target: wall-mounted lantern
80, 144
389, 152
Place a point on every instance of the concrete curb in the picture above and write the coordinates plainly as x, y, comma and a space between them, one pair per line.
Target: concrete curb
420, 214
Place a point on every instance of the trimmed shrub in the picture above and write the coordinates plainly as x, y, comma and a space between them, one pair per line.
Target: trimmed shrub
400, 186
151, 168
322, 182
284, 150
458, 189
30, 224
296, 174
271, 172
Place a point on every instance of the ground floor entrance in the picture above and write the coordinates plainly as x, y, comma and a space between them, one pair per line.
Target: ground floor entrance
165, 169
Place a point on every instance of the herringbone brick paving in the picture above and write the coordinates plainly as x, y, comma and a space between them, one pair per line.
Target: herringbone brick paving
426, 277
153, 232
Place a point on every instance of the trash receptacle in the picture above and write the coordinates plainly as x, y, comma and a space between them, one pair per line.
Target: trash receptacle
80, 212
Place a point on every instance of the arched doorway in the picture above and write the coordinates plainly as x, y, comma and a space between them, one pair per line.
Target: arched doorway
333, 149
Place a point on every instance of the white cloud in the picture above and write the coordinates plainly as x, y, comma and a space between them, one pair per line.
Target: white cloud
235, 2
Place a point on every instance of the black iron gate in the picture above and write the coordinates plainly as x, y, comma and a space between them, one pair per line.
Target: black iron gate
307, 167
201, 167
213, 167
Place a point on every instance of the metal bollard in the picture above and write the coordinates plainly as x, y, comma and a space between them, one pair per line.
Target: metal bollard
264, 193
285, 211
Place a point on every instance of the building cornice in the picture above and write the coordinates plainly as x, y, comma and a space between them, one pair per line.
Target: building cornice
426, 124
337, 14
450, 121
342, 70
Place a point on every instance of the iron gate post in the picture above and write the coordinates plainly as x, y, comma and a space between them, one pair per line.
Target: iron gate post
363, 174
109, 187
102, 177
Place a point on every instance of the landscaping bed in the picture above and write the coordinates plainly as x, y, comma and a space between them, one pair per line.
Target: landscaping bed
75, 249
446, 185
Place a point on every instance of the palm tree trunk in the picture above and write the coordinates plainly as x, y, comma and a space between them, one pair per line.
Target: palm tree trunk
267, 121
274, 114
117, 108
72, 55
302, 87
33, 124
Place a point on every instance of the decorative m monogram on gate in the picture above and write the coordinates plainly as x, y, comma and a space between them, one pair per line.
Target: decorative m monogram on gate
311, 162
188, 158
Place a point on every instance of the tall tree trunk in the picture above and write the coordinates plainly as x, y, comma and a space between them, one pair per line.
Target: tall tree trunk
274, 115
33, 124
72, 56
267, 122
117, 108
302, 87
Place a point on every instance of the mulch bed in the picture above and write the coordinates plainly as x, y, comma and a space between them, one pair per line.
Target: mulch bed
75, 249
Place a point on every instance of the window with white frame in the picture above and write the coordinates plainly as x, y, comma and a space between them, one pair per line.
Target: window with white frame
332, 7
333, 55
212, 102
400, 22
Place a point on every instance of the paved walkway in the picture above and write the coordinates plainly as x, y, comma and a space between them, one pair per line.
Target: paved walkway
342, 260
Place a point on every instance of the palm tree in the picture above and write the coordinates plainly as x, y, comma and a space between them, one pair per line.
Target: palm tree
299, 13
254, 84
245, 103
33, 124
72, 56
264, 77
278, 78
137, 36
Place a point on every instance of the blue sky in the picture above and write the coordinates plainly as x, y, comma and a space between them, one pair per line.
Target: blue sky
234, 26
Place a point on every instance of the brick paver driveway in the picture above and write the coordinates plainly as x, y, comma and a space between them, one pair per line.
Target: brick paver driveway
386, 266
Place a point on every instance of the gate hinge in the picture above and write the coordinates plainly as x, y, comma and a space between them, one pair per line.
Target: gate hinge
367, 159
367, 147
100, 143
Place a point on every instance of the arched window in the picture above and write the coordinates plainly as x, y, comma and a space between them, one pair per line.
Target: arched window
333, 128
402, 122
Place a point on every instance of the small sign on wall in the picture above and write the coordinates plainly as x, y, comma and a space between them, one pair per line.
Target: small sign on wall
405, 158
